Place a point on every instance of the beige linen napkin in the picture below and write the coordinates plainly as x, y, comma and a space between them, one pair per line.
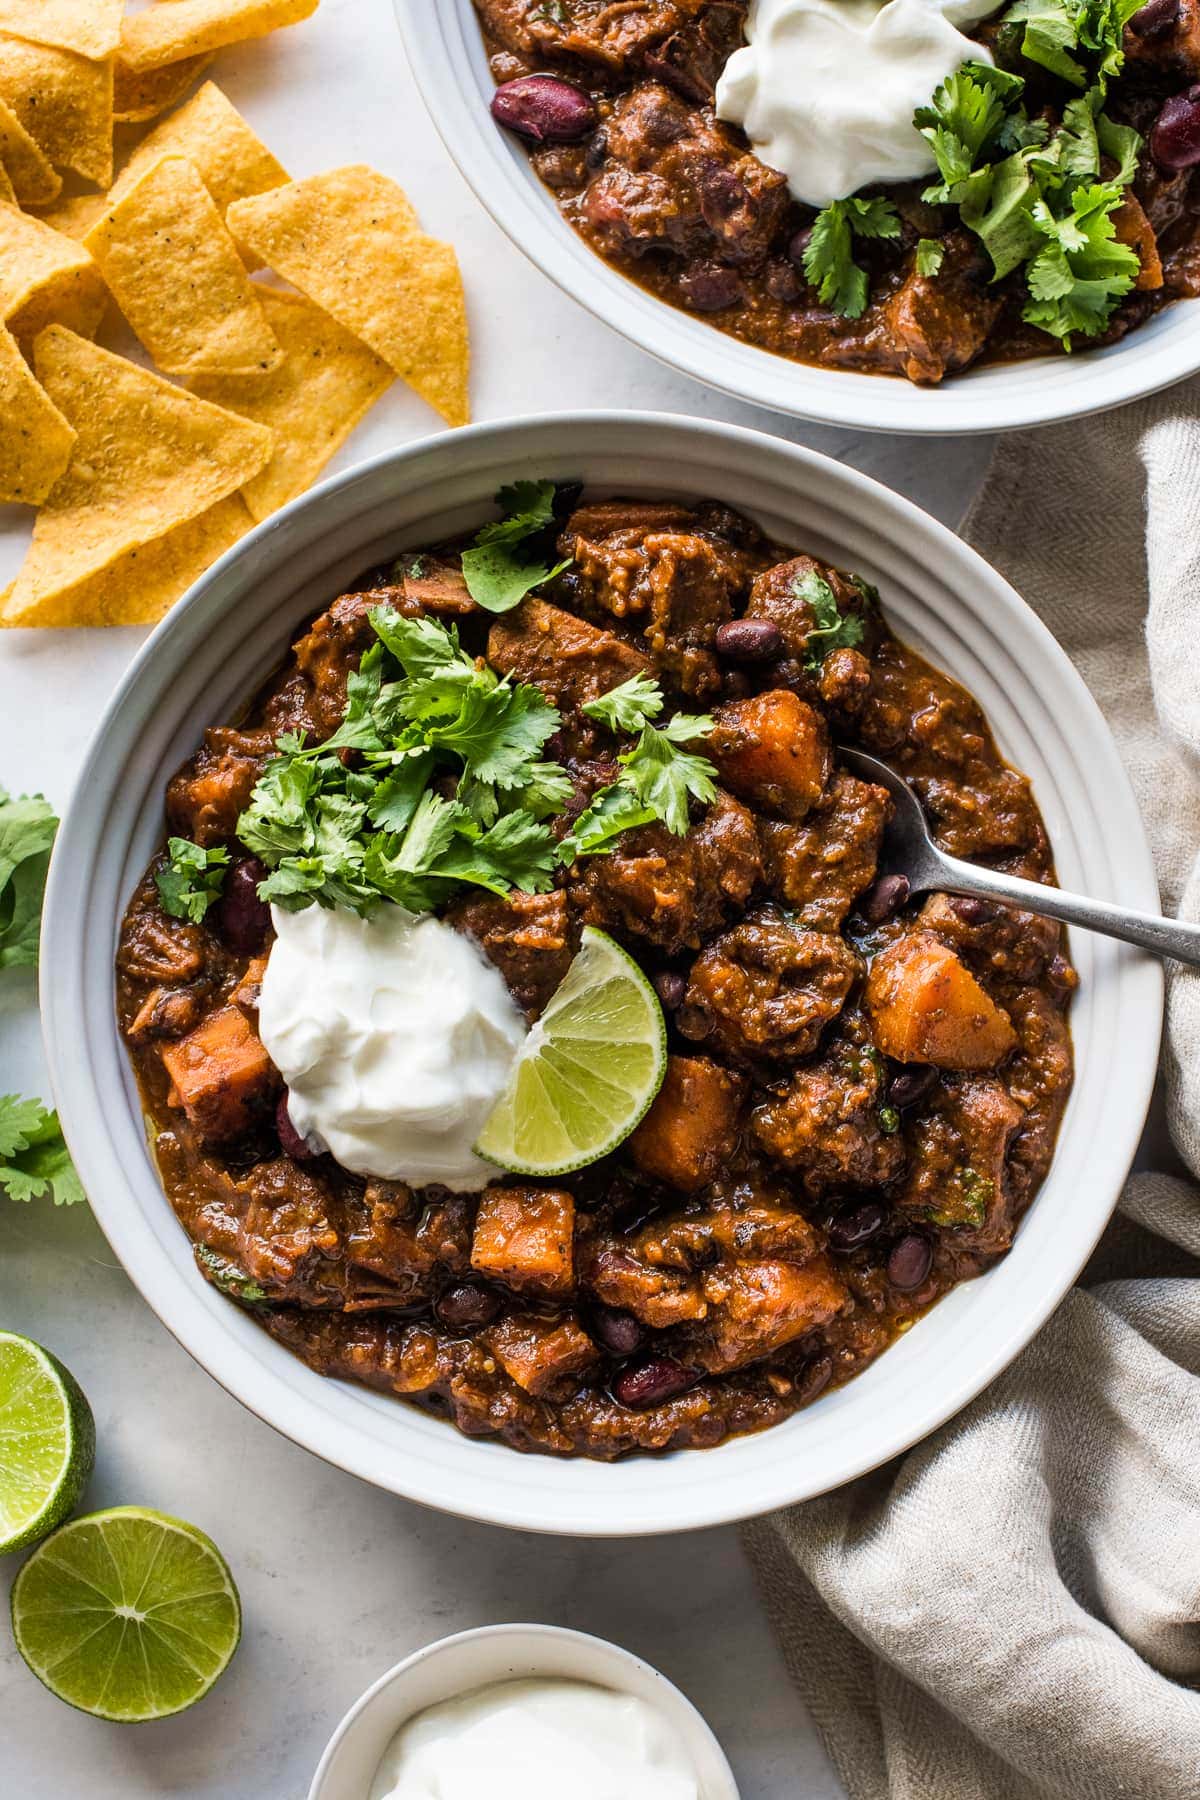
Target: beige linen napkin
1012, 1611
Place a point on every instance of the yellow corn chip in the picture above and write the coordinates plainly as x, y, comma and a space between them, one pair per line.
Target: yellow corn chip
312, 401
174, 271
29, 171
8, 192
229, 159
351, 242
35, 439
89, 27
76, 215
46, 277
62, 100
148, 457
172, 29
138, 97
144, 583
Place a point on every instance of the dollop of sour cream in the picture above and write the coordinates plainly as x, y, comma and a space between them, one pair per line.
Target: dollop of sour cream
826, 89
395, 1036
537, 1740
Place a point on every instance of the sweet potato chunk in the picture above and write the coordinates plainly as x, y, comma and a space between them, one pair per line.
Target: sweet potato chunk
689, 1131
926, 1006
524, 1237
757, 1307
773, 750
536, 1353
220, 1074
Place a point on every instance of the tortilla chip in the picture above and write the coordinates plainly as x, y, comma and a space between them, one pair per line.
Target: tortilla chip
325, 384
46, 278
64, 101
89, 27
143, 585
35, 439
76, 215
149, 457
29, 171
138, 97
229, 159
175, 273
8, 193
351, 242
172, 29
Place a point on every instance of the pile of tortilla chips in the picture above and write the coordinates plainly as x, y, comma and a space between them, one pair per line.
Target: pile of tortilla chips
142, 481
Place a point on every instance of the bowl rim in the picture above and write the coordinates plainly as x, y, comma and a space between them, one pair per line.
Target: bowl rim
581, 1646
191, 1316
443, 50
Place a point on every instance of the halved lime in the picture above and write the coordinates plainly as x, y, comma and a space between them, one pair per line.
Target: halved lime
47, 1442
588, 1070
127, 1614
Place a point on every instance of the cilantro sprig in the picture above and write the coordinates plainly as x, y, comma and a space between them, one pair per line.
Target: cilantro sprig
831, 628
829, 255
658, 779
191, 879
1078, 40
27, 830
34, 1160
499, 570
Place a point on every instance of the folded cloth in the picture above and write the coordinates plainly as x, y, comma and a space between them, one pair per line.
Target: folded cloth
1012, 1610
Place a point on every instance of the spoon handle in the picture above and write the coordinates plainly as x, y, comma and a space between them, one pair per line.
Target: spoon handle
1166, 937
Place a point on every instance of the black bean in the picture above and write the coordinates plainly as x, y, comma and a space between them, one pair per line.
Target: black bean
971, 909
670, 988
290, 1141
814, 1379
1175, 138
1157, 19
782, 282
858, 1225
911, 1085
799, 244
693, 1022
736, 684
910, 1262
242, 919
650, 1383
883, 899
709, 287
544, 108
749, 640
619, 1332
467, 1304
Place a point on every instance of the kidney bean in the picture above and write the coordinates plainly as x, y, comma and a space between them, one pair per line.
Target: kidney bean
242, 919
670, 988
465, 1305
1157, 19
910, 1086
709, 287
544, 108
652, 1382
883, 899
1175, 137
782, 282
815, 1379
749, 640
799, 244
619, 1332
290, 1141
910, 1262
857, 1226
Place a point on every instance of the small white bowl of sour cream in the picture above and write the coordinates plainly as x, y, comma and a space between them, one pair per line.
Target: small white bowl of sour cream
446, 1706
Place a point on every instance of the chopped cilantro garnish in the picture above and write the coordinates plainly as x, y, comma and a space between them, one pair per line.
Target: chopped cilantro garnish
628, 707
191, 879
657, 778
964, 1199
831, 629
889, 1120
225, 1274
27, 828
1069, 37
34, 1160
498, 570
613, 811
829, 257
930, 256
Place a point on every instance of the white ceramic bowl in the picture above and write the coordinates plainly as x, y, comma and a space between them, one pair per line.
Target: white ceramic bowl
456, 1665
232, 629
445, 48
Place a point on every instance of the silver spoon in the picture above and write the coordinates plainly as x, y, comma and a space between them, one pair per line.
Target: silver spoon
912, 852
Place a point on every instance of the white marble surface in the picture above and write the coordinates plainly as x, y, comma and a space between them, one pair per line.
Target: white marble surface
339, 1581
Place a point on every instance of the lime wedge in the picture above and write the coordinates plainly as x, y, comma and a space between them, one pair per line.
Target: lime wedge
127, 1614
47, 1442
588, 1070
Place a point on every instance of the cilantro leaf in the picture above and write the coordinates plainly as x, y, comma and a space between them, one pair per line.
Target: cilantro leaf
831, 629
1078, 277
627, 707
27, 830
517, 852
613, 810
34, 1160
931, 254
422, 647
547, 789
497, 570
499, 732
664, 777
191, 880
394, 801
829, 257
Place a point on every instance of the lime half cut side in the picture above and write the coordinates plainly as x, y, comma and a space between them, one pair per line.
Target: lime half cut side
127, 1614
588, 1070
47, 1442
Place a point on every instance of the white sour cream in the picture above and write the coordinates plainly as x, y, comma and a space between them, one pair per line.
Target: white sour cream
395, 1036
826, 89
537, 1740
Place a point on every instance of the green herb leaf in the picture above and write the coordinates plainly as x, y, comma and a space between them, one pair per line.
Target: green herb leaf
664, 777
1076, 280
829, 257
628, 707
613, 811
931, 253
497, 571
33, 1157
27, 830
191, 880
831, 629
